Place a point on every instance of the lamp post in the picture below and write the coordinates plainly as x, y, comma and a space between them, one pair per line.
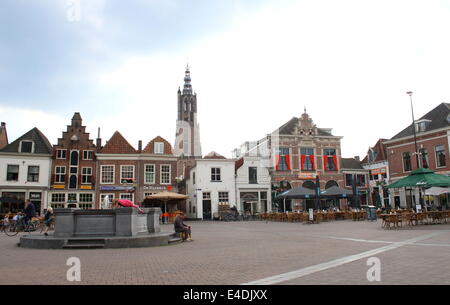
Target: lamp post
415, 143
414, 129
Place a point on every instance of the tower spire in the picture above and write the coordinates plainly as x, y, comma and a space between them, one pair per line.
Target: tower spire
187, 89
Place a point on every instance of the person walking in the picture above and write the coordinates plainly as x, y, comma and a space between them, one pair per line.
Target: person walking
48, 220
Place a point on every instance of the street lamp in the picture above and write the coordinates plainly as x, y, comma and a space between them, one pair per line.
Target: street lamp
414, 129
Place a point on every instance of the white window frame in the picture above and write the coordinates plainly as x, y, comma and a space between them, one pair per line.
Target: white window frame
87, 151
228, 196
103, 195
28, 172
146, 172
83, 175
63, 201
121, 172
161, 174
158, 148
127, 194
57, 154
436, 156
18, 172
59, 174
215, 174
113, 173
80, 196
32, 147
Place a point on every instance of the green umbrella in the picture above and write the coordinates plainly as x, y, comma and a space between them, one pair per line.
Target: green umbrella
422, 177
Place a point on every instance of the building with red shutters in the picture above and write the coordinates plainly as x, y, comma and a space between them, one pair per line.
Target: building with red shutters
296, 153
73, 168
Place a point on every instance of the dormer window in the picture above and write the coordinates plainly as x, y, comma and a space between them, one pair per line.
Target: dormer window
159, 148
422, 125
26, 147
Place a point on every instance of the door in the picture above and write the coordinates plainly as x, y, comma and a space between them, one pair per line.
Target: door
207, 209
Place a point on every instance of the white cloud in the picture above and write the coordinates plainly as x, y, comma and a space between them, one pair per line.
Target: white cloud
349, 62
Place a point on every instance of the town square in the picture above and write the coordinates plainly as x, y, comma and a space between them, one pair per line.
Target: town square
229, 143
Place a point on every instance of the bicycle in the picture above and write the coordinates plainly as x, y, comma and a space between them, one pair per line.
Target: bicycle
14, 228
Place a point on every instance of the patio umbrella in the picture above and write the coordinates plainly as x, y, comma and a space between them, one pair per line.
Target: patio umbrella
296, 193
436, 191
422, 177
336, 191
166, 196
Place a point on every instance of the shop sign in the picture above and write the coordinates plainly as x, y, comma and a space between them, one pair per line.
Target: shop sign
58, 186
117, 188
86, 187
307, 176
35, 196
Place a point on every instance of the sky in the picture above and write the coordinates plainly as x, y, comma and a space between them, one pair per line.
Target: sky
255, 64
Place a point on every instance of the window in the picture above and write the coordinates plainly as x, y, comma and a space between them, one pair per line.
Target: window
423, 157
149, 174
252, 175
110, 198
126, 173
74, 158
59, 197
72, 197
206, 196
283, 159
193, 177
26, 146
107, 174
330, 159
215, 174
85, 206
86, 175
406, 161
60, 174
57, 205
440, 156
223, 196
127, 196
348, 180
61, 153
165, 174
263, 197
88, 155
159, 148
33, 174
12, 173
307, 159
86, 197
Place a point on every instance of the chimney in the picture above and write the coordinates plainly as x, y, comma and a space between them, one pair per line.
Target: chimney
357, 158
140, 146
98, 143
3, 135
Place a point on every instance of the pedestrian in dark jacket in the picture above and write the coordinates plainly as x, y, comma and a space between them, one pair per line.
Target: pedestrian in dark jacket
30, 211
181, 227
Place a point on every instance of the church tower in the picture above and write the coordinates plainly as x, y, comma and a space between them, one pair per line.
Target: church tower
187, 138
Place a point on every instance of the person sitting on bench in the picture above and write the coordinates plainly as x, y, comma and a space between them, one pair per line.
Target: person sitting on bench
181, 227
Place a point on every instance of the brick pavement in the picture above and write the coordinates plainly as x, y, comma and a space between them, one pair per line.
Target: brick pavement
241, 252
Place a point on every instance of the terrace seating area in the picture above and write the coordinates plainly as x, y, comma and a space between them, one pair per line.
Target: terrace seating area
409, 218
318, 216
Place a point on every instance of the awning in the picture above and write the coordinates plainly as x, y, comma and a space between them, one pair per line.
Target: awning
422, 177
335, 191
436, 191
167, 196
297, 193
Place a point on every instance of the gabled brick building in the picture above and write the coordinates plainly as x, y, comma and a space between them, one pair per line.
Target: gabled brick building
432, 135
73, 180
117, 164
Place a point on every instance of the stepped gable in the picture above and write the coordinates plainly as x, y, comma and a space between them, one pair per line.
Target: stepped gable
41, 143
150, 148
117, 144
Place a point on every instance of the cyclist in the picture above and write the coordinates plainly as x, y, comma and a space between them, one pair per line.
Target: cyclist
30, 211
